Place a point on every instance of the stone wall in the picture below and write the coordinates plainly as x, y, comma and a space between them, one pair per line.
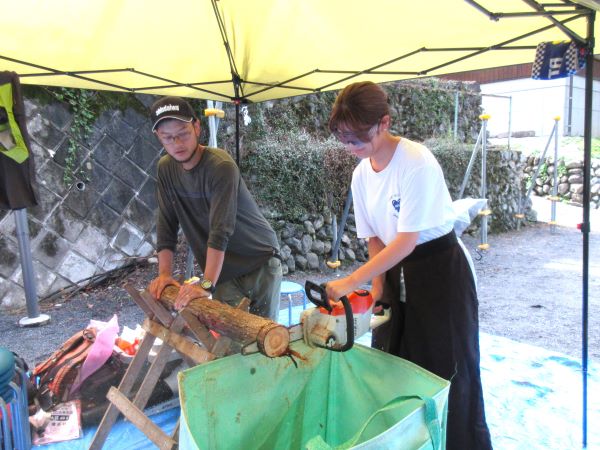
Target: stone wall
569, 177
306, 244
101, 221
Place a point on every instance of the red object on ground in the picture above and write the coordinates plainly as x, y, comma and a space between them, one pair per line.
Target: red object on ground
128, 347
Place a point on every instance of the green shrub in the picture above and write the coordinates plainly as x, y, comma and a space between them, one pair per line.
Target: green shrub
454, 158
292, 173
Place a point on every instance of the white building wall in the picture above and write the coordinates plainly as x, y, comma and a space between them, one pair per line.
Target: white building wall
578, 108
535, 103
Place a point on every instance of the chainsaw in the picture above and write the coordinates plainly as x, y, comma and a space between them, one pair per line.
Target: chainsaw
334, 327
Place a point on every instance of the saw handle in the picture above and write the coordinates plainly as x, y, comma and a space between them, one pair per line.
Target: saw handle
316, 293
322, 301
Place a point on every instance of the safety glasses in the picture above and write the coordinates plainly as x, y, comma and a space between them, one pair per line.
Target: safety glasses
350, 138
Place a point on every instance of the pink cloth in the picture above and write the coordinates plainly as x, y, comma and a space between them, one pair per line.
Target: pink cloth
101, 349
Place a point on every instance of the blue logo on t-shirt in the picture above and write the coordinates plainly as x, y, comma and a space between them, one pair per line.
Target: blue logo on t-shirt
394, 201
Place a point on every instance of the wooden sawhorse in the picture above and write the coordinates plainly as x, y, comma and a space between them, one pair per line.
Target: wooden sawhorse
173, 331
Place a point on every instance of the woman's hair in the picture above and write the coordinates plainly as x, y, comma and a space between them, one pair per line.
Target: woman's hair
358, 107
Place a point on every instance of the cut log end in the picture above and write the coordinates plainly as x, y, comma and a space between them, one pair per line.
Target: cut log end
273, 340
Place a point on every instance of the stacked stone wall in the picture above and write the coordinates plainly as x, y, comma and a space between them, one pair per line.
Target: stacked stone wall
569, 179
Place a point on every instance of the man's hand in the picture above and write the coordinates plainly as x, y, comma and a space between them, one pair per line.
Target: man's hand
187, 293
160, 283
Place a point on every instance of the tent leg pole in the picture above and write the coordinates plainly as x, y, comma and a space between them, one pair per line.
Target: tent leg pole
470, 166
237, 133
554, 182
585, 226
34, 317
483, 189
456, 116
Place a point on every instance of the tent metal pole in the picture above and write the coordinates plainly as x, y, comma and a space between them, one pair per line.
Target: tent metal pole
59, 72
554, 196
570, 107
470, 165
501, 44
509, 120
520, 215
585, 226
33, 309
34, 317
483, 190
456, 115
237, 133
572, 35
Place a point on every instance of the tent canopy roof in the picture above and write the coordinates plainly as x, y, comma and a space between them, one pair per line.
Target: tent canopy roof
268, 49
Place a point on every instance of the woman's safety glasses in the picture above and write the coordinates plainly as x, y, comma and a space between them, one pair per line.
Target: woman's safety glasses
351, 138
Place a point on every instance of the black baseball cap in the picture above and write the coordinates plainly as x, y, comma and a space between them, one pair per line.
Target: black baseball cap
171, 108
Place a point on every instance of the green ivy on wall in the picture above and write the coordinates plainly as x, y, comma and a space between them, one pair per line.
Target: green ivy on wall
82, 106
86, 106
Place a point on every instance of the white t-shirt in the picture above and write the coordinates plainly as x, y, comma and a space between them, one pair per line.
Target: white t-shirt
409, 195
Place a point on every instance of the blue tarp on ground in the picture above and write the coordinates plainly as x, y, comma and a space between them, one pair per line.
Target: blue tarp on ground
532, 395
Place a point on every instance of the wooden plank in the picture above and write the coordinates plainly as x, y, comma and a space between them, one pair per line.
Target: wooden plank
139, 419
180, 343
139, 300
175, 433
198, 329
159, 310
125, 386
221, 347
244, 304
156, 368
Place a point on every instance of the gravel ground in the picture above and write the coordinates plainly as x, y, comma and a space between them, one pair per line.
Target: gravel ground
529, 289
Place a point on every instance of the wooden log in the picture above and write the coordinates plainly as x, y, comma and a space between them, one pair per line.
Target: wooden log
273, 339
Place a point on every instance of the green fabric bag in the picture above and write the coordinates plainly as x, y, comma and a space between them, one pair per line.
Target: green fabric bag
18, 151
362, 398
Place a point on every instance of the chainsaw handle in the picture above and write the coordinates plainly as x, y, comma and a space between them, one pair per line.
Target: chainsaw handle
313, 288
349, 326
320, 299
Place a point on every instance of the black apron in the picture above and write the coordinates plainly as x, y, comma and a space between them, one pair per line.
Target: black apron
437, 328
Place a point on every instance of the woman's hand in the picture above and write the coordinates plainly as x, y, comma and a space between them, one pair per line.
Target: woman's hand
338, 288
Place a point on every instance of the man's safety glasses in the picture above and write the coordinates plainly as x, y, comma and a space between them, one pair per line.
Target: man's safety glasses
184, 136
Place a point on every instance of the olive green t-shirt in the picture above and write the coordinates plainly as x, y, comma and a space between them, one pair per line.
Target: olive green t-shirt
215, 209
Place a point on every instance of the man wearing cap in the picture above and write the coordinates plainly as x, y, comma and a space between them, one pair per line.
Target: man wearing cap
200, 190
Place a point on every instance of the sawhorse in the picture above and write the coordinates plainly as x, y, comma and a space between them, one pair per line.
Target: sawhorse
159, 323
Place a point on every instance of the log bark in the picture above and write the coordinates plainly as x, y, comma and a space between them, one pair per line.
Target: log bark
273, 339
